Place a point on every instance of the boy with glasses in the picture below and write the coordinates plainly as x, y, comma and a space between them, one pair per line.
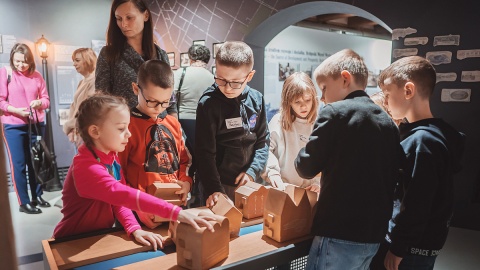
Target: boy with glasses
156, 150
232, 138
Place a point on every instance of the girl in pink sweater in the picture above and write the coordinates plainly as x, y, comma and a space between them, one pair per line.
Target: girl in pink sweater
94, 192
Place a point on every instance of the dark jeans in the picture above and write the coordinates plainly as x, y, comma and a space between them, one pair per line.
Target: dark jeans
17, 143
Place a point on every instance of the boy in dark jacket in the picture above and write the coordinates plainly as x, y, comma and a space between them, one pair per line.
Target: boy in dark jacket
232, 139
424, 199
355, 144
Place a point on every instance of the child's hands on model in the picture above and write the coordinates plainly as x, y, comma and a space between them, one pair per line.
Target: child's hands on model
314, 188
242, 179
212, 199
148, 239
276, 182
195, 221
184, 191
147, 220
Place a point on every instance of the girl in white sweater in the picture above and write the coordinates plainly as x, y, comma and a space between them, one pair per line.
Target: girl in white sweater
290, 130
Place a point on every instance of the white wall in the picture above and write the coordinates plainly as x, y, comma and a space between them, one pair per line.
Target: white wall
304, 49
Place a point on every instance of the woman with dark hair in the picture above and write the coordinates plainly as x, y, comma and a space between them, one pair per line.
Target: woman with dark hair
130, 43
190, 83
22, 89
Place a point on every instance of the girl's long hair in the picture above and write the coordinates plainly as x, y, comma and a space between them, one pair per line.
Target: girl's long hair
296, 86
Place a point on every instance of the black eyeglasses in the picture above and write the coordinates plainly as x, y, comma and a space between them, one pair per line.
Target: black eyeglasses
154, 104
233, 85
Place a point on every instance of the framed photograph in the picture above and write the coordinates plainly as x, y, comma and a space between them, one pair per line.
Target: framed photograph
199, 42
214, 69
184, 60
215, 48
171, 58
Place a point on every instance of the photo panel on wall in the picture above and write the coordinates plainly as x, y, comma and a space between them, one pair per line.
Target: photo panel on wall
214, 69
184, 60
199, 42
171, 58
215, 48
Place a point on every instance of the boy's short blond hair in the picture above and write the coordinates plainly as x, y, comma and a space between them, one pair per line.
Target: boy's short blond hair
347, 60
234, 54
415, 69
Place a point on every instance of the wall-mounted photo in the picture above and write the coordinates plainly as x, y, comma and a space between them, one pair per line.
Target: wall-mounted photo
214, 69
199, 42
171, 58
215, 48
184, 60
373, 78
286, 69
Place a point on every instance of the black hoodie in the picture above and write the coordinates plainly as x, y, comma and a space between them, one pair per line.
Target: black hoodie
433, 151
231, 137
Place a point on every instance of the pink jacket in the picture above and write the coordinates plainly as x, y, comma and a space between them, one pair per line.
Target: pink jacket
19, 93
92, 198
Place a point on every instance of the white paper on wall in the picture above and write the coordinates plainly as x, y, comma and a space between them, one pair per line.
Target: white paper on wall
63, 115
446, 77
439, 57
446, 40
456, 95
415, 41
63, 53
97, 45
404, 52
67, 82
471, 76
7, 42
462, 54
402, 32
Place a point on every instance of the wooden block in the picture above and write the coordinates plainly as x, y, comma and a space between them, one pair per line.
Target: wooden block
195, 248
250, 199
173, 225
225, 207
165, 191
93, 249
288, 215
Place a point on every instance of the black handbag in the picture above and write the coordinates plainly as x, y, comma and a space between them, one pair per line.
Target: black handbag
42, 160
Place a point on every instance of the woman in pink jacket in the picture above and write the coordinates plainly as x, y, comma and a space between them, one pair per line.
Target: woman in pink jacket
22, 88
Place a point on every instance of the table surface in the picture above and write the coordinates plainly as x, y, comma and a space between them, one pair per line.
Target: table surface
147, 255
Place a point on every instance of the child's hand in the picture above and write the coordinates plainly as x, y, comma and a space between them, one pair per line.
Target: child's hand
277, 182
147, 220
195, 221
242, 179
148, 238
314, 188
184, 191
212, 199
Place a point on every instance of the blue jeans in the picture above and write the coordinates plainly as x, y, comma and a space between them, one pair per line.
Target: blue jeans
330, 254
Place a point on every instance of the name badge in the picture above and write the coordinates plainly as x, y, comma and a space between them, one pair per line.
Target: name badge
233, 122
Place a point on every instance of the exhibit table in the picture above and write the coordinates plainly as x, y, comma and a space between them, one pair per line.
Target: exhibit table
114, 249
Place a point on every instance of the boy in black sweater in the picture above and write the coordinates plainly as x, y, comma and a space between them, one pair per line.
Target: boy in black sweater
356, 146
232, 139
424, 199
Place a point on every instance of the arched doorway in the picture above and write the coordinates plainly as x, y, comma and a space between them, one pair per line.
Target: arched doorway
268, 29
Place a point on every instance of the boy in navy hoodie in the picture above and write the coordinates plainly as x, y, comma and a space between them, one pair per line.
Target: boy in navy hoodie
232, 139
423, 205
